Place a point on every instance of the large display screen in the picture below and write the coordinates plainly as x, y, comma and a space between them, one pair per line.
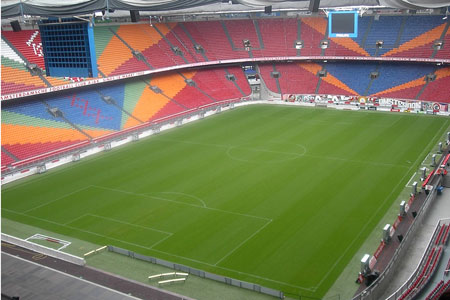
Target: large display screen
343, 24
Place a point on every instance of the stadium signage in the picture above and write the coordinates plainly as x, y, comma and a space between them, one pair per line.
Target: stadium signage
369, 103
399, 103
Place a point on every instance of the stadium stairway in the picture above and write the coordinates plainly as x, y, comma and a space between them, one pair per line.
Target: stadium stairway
25, 134
276, 43
168, 46
272, 84
240, 82
189, 43
194, 95
445, 51
117, 55
298, 78
313, 32
175, 40
8, 157
333, 86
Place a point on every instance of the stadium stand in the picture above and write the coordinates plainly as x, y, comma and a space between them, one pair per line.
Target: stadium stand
28, 43
118, 52
424, 275
435, 291
313, 31
212, 37
165, 45
298, 78
391, 75
279, 36
16, 56
121, 49
445, 51
333, 86
439, 89
417, 37
347, 74
25, 135
240, 30
6, 159
404, 81
29, 129
384, 29
265, 71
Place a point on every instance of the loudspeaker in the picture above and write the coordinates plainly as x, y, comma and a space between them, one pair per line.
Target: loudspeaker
414, 214
400, 238
15, 26
134, 16
268, 9
314, 6
275, 74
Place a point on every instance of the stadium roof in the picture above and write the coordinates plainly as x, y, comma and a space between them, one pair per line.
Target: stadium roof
11, 8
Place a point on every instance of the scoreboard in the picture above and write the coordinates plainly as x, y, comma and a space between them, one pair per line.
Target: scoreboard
343, 24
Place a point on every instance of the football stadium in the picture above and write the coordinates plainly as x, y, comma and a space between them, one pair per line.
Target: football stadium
241, 149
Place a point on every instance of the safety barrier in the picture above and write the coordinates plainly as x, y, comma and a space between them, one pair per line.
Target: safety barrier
199, 273
375, 291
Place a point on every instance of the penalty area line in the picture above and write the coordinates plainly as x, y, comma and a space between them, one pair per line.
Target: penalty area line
243, 242
164, 252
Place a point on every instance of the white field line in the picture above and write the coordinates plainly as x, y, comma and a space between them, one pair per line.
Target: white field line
229, 147
167, 253
242, 243
185, 194
179, 202
412, 177
76, 219
426, 157
130, 224
57, 199
372, 216
160, 241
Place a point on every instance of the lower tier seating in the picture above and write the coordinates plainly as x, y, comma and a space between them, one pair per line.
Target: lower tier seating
42, 124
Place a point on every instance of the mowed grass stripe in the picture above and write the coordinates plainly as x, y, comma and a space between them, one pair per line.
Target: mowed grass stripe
323, 178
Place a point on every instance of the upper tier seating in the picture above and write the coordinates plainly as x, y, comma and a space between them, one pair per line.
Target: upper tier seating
28, 49
165, 45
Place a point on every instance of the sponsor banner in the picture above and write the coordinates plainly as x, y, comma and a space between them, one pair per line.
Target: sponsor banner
70, 86
379, 249
392, 231
397, 221
371, 103
398, 103
410, 201
216, 62
372, 262
434, 107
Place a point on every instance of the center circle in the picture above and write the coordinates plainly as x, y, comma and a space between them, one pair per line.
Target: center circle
269, 152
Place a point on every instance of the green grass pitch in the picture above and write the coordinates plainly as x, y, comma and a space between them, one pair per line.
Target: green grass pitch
275, 195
